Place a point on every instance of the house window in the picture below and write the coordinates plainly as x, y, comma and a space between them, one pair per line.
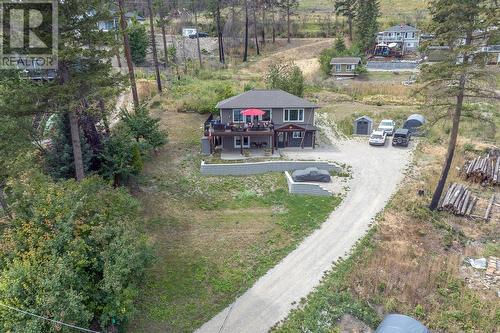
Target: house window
268, 116
350, 68
237, 142
338, 68
293, 115
237, 116
297, 134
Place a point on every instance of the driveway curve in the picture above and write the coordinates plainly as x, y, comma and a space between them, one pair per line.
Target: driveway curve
377, 171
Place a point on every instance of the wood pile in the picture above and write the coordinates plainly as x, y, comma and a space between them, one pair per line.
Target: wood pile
458, 200
484, 170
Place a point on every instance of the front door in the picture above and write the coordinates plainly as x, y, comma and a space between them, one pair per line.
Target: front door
282, 139
237, 142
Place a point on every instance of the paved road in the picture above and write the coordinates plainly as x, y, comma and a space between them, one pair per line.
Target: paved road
377, 172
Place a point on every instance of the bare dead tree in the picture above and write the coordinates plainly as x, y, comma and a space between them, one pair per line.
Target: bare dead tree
153, 43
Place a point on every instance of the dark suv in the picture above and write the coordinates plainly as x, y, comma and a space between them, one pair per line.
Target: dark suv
401, 137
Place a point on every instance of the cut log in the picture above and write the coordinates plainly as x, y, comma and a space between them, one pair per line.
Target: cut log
490, 205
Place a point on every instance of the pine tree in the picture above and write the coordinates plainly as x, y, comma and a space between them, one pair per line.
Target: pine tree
347, 8
366, 26
457, 84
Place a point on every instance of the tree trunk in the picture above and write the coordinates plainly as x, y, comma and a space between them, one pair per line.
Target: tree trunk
165, 48
219, 35
263, 32
273, 26
3, 203
197, 36
77, 148
288, 20
128, 56
453, 135
255, 31
245, 55
349, 22
153, 44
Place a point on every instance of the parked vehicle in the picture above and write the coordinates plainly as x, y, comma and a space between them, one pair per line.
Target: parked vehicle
200, 34
401, 137
388, 126
311, 175
377, 138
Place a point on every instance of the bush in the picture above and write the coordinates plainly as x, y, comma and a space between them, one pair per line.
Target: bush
73, 252
285, 76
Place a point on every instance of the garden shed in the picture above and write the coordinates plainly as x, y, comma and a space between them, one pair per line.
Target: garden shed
414, 122
396, 323
363, 125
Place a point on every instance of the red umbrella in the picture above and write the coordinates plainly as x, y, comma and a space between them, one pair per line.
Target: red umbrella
253, 112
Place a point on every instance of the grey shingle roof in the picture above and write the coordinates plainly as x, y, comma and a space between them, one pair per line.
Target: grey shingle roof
265, 99
345, 60
401, 28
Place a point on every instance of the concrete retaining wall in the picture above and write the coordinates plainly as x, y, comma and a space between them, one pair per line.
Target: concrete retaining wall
305, 188
245, 169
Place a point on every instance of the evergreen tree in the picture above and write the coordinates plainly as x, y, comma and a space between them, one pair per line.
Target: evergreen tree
456, 85
139, 42
366, 26
347, 8
59, 157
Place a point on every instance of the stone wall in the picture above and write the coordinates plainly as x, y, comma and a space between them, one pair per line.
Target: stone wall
305, 188
245, 169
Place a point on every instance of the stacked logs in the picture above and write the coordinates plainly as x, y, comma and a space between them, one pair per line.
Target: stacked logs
484, 170
458, 200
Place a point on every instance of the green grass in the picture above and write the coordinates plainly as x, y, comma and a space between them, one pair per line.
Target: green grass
213, 236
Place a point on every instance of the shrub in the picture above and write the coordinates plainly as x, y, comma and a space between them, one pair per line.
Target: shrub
285, 76
72, 252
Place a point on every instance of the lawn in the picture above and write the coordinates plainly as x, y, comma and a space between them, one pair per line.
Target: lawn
213, 236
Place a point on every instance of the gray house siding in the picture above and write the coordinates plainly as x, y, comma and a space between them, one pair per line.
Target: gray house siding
277, 116
228, 142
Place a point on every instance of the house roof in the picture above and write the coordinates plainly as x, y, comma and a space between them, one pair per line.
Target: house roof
345, 60
265, 99
401, 28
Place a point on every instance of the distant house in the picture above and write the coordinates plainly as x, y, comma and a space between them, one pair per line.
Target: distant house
287, 121
493, 52
405, 36
345, 66
114, 23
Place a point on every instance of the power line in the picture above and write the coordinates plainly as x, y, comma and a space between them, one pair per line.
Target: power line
48, 319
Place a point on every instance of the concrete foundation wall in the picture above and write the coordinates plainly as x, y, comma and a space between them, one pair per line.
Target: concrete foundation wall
245, 169
305, 188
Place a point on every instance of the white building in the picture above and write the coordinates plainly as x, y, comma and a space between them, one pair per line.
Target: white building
406, 36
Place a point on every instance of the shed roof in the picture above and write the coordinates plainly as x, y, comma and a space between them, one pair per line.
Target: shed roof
401, 28
396, 323
345, 60
364, 117
265, 99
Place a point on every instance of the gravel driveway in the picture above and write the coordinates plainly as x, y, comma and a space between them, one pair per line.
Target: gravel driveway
377, 172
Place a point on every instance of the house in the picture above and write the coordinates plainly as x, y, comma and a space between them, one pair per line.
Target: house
363, 125
114, 23
345, 66
287, 121
403, 35
493, 54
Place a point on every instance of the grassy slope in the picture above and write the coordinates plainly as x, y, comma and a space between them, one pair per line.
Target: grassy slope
214, 236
